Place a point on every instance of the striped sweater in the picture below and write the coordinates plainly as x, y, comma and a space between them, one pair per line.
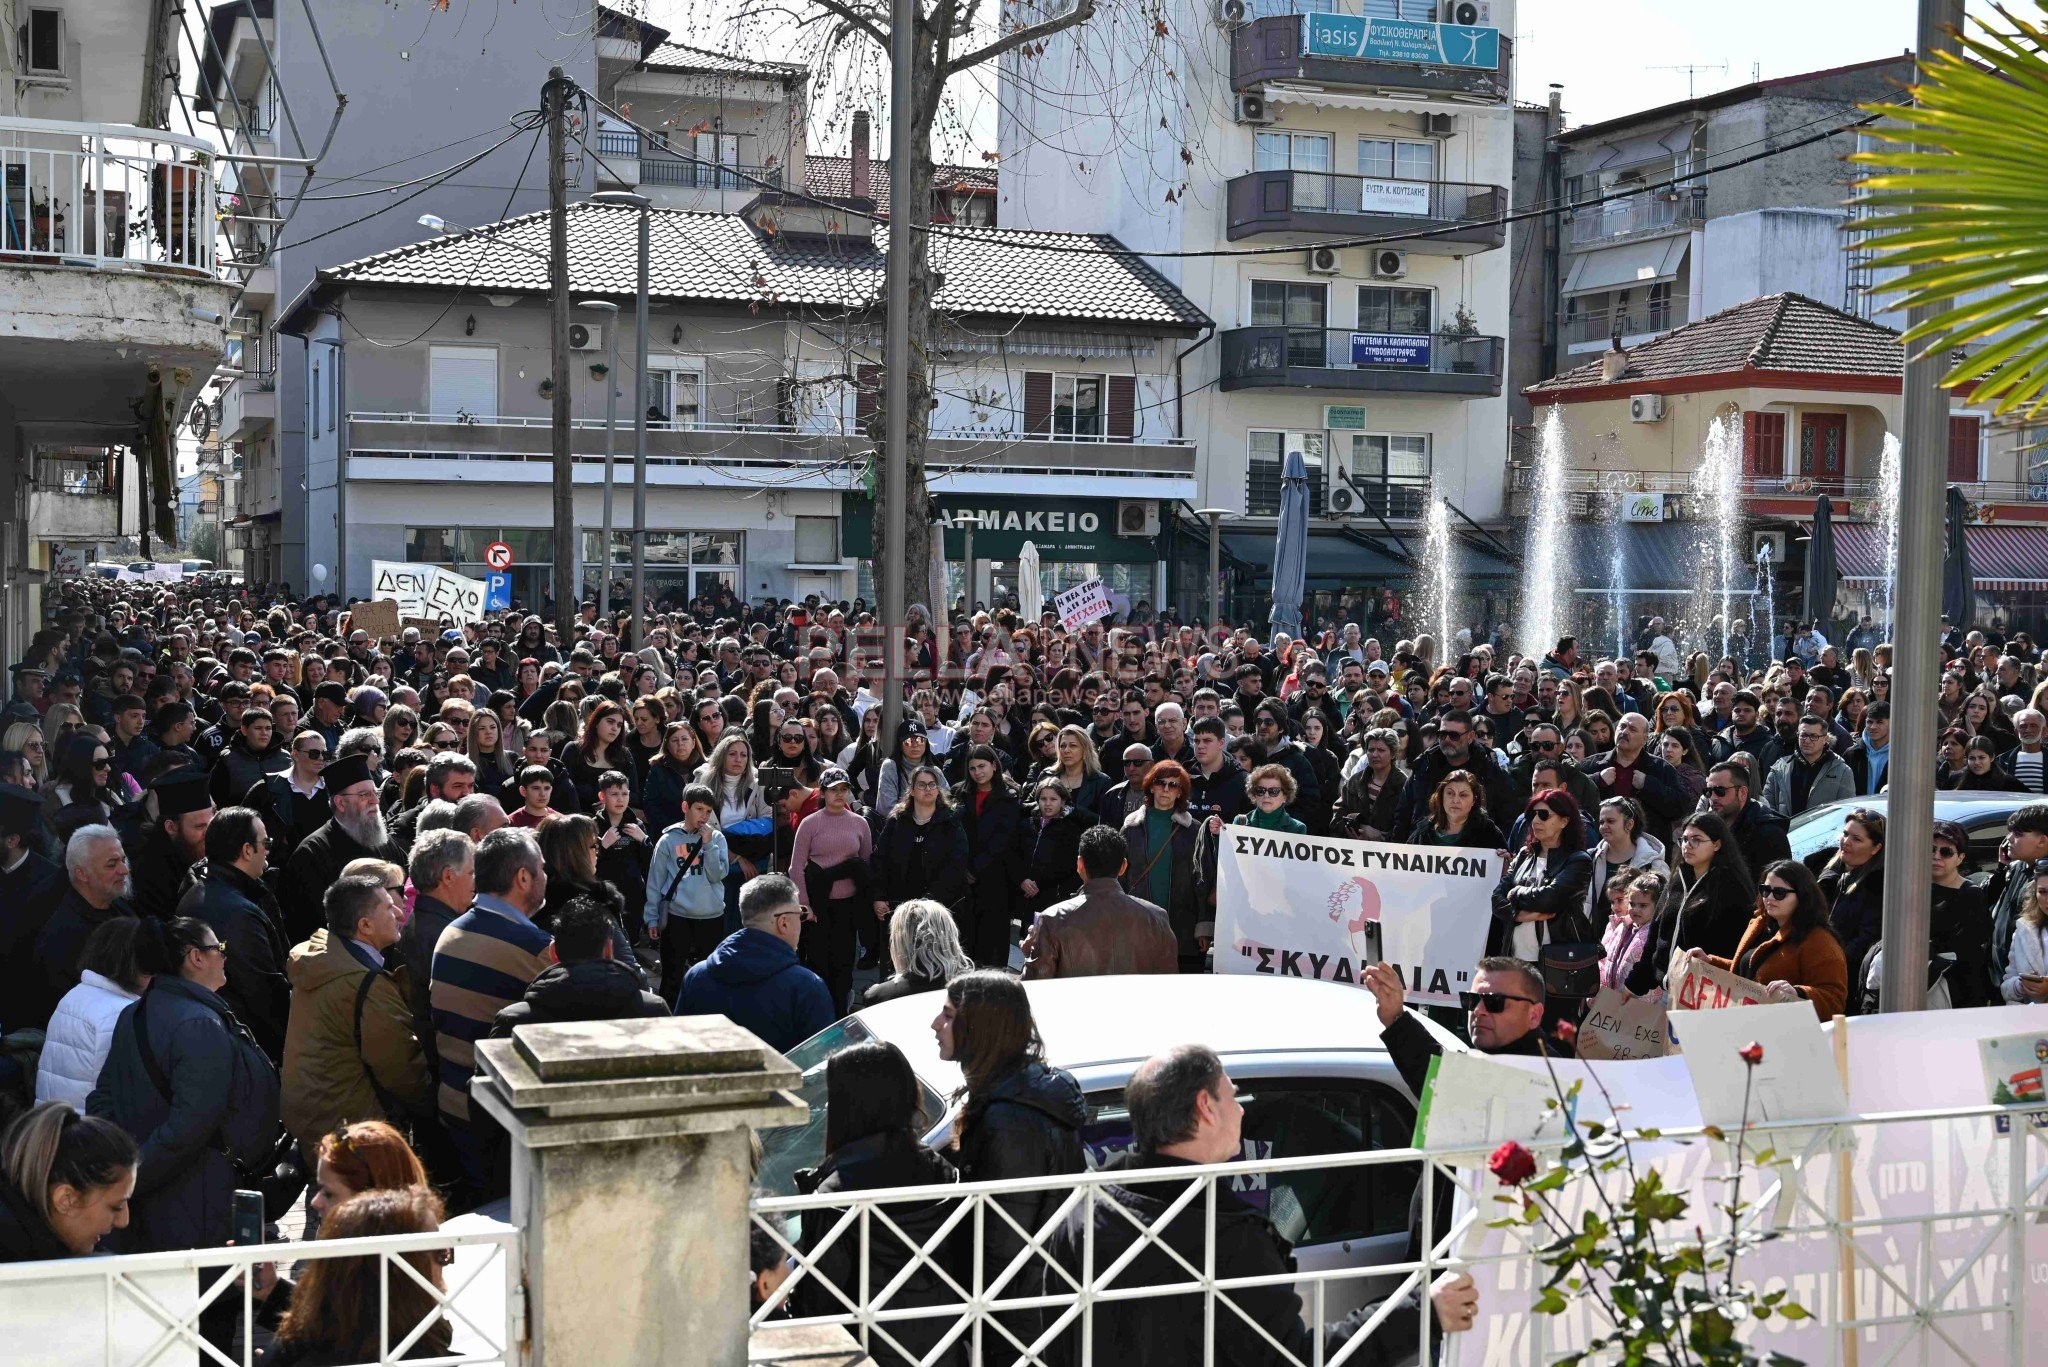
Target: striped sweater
483, 962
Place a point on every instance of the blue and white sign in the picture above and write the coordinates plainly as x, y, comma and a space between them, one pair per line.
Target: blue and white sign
497, 591
1390, 350
1399, 40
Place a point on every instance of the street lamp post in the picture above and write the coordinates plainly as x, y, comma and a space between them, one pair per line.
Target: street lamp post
611, 429
1215, 516
628, 199
967, 522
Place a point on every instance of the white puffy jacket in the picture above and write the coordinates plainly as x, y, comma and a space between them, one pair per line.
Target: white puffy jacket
76, 1043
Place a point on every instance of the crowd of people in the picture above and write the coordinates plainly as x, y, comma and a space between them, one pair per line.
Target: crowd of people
265, 879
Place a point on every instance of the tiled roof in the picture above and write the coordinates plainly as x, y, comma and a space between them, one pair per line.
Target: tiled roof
683, 57
832, 178
721, 257
1784, 332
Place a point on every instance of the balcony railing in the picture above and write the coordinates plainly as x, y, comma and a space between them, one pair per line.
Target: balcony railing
1394, 497
87, 476
1584, 489
1320, 201
107, 196
1643, 213
663, 166
1597, 325
1277, 49
1335, 358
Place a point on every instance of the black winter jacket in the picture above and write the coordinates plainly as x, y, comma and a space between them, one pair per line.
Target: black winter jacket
1711, 914
245, 917
1027, 1124
909, 860
1555, 883
593, 990
25, 1236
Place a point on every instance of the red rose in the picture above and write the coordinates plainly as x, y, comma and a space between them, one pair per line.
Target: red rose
1568, 1034
1512, 1164
1752, 1053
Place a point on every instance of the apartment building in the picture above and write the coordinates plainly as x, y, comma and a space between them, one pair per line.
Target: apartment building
114, 299
1055, 376
1312, 125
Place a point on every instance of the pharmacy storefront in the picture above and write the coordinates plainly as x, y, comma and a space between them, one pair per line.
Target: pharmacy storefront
1078, 539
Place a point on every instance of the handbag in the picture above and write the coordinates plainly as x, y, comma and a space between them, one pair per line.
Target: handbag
1571, 968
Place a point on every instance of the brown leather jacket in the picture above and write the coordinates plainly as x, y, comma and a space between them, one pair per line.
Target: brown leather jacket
1104, 930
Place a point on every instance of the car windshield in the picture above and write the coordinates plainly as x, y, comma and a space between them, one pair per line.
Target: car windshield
789, 1150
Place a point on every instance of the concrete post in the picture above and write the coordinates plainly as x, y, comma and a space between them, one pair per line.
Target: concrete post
631, 1168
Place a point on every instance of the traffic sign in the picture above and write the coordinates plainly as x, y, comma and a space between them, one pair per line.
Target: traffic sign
498, 556
497, 591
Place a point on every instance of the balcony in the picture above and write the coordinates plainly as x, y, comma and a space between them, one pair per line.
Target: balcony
75, 498
1456, 215
1384, 363
107, 196
623, 163
248, 405
1402, 56
1396, 498
1595, 327
1662, 211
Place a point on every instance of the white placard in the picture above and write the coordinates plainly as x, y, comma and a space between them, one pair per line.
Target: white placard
1082, 604
427, 591
1408, 197
1308, 906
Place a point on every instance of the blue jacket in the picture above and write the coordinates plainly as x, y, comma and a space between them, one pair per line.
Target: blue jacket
754, 980
699, 894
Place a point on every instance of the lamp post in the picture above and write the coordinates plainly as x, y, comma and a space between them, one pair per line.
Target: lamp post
967, 522
627, 199
611, 429
1215, 516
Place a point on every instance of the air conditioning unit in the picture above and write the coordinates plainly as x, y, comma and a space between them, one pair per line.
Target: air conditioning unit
1646, 408
586, 337
1137, 517
1774, 540
1342, 501
1469, 13
1231, 13
1388, 264
1251, 108
1324, 261
1441, 125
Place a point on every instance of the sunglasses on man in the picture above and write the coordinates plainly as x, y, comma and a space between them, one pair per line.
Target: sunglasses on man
1492, 1002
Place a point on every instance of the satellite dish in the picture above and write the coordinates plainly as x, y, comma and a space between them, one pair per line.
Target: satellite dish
319, 574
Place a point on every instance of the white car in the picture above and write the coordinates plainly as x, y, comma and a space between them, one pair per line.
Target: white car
1305, 1055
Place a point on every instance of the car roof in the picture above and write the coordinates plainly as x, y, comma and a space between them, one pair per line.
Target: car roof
1967, 807
1095, 1023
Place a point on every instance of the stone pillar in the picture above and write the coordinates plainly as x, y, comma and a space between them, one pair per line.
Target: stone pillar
631, 1168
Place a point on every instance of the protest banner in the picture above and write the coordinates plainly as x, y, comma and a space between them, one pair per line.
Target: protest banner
1619, 1026
427, 591
380, 618
1696, 985
1082, 604
1308, 906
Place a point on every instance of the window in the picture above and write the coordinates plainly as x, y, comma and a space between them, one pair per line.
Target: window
1267, 465
680, 565
817, 540
1405, 311
1080, 407
313, 396
1763, 445
675, 395
1963, 443
1396, 159
1300, 307
40, 43
1301, 1118
2034, 462
715, 151
1424, 10
462, 383
1077, 405
462, 549
1390, 471
1308, 153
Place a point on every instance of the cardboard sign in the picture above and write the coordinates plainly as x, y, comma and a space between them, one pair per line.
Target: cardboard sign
1082, 604
1797, 1079
428, 591
1696, 985
380, 619
1310, 906
1620, 1026
1473, 1102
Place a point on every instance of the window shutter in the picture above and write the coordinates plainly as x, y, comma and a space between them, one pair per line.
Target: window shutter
1037, 402
867, 396
1123, 407
1962, 449
1749, 442
1763, 445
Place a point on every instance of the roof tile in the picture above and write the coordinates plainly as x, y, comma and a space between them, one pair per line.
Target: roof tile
832, 178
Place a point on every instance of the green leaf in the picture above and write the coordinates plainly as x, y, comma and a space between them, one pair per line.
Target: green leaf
1793, 1310
1549, 1303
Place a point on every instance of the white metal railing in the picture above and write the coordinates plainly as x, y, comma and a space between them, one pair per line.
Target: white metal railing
144, 1309
1899, 1280
816, 427
1639, 213
110, 196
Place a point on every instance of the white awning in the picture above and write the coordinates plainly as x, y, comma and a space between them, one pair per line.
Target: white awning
1383, 104
1631, 263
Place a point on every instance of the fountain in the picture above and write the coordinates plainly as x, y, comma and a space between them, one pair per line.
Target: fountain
1885, 596
1717, 504
1543, 559
1436, 581
1763, 611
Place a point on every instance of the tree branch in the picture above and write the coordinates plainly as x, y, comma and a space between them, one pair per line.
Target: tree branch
1081, 13
854, 18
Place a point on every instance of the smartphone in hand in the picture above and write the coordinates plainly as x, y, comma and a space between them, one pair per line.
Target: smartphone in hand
248, 1217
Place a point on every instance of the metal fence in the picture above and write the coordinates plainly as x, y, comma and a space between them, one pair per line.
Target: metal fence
106, 195
145, 1309
927, 1271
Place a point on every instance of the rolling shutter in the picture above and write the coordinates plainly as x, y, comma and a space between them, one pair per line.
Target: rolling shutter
1123, 407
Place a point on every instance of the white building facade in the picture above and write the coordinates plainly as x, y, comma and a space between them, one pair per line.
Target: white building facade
1334, 201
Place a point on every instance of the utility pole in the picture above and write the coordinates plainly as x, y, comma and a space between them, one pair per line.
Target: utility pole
896, 368
611, 434
640, 442
1916, 647
554, 99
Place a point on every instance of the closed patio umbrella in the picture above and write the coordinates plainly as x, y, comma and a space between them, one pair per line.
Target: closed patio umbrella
1290, 547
